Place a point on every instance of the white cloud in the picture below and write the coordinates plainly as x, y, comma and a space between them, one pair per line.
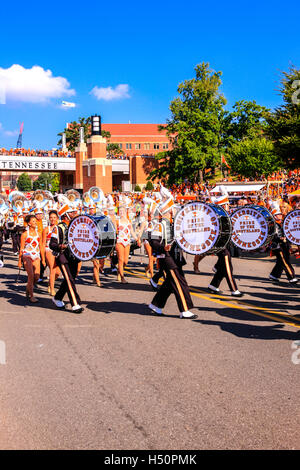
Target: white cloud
8, 133
109, 93
34, 85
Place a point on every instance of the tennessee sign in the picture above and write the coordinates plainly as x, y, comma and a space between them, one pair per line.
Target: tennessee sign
291, 227
196, 228
249, 228
83, 237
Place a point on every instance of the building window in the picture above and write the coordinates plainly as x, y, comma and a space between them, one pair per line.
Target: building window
147, 146
156, 146
128, 146
165, 146
137, 146
121, 145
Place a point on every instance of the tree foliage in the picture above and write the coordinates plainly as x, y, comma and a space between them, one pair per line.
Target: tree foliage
253, 157
284, 122
114, 149
48, 181
194, 128
24, 182
72, 133
246, 120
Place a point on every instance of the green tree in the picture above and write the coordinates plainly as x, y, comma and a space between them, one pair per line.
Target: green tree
149, 186
24, 182
48, 181
194, 129
253, 157
284, 121
114, 149
72, 133
248, 119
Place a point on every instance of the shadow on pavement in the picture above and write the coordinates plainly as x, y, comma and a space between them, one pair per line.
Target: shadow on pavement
244, 330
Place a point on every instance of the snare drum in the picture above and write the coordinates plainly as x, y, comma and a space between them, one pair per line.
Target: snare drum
91, 237
201, 228
291, 227
253, 227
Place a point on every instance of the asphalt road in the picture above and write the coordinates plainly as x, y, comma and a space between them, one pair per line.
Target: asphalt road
117, 377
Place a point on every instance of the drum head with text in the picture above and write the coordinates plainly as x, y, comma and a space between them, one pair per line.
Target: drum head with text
196, 228
83, 237
291, 227
249, 228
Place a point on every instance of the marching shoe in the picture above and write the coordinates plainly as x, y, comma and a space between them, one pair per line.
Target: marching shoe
153, 284
214, 290
273, 278
58, 303
237, 293
188, 315
155, 309
77, 308
294, 281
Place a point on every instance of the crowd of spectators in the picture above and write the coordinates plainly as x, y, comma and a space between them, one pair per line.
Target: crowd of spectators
117, 157
51, 153
35, 153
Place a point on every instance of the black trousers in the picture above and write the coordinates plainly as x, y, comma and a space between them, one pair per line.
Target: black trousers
224, 269
69, 272
175, 283
6, 233
283, 262
16, 238
156, 277
1, 239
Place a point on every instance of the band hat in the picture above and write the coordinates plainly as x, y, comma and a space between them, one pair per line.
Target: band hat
275, 208
37, 209
220, 201
66, 208
150, 203
110, 202
164, 192
166, 206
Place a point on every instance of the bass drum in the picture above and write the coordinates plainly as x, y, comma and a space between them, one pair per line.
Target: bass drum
201, 228
91, 237
291, 227
253, 227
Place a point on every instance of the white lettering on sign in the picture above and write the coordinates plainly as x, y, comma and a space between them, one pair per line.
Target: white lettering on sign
249, 228
37, 164
291, 227
196, 228
83, 237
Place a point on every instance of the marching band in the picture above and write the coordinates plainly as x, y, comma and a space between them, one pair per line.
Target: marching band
63, 231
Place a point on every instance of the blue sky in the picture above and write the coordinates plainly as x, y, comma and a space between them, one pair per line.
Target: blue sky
149, 48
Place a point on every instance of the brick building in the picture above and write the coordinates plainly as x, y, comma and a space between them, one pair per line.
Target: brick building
138, 139
139, 142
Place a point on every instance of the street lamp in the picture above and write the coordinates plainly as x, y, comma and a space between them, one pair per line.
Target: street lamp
96, 124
